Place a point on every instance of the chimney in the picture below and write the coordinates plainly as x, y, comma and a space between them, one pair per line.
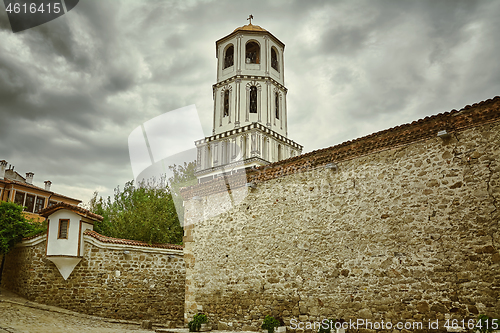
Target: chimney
3, 166
47, 185
29, 177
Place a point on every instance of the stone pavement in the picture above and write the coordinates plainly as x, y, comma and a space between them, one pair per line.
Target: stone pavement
20, 315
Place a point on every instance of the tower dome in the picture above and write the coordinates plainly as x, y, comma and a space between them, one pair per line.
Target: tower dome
250, 27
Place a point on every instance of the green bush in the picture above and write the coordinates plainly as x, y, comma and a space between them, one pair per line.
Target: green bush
195, 324
14, 226
487, 324
270, 323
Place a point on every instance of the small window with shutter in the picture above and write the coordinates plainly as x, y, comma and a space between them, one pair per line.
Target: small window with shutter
63, 229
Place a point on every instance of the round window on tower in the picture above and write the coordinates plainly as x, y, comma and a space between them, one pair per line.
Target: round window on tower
252, 54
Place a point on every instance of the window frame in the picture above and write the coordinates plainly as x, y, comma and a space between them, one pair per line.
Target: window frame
275, 61
15, 197
226, 97
29, 206
37, 208
225, 57
277, 105
253, 88
59, 229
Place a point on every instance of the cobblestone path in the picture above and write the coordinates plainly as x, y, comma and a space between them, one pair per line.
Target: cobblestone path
18, 315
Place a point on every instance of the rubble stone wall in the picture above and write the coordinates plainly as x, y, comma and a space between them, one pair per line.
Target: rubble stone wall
144, 284
406, 234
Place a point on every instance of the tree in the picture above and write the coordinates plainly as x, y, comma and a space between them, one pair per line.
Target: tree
145, 212
183, 176
14, 226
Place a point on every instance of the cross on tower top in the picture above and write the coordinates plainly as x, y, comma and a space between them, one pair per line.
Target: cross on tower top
250, 17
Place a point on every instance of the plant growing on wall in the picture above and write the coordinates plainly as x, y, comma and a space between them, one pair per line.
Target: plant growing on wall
195, 324
270, 323
487, 324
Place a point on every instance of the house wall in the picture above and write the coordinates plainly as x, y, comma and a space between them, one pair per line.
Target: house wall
409, 232
11, 189
68, 246
147, 283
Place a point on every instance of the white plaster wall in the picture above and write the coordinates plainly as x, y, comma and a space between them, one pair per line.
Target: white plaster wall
266, 148
68, 247
241, 67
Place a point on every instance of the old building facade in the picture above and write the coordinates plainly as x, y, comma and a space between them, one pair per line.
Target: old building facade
21, 190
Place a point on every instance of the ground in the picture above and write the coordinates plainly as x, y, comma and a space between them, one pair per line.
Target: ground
19, 315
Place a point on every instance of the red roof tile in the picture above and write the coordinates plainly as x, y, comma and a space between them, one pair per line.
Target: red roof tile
16, 182
111, 240
78, 210
35, 236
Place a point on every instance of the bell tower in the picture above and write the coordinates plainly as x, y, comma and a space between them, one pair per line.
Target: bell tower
249, 114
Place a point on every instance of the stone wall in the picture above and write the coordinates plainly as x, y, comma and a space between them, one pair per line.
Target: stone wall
410, 232
146, 283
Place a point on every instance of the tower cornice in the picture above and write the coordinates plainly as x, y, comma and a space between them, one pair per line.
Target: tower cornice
249, 77
252, 127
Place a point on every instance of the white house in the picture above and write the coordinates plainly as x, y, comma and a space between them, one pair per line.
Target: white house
65, 227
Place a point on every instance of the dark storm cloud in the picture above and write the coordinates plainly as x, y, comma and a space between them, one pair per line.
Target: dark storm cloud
73, 89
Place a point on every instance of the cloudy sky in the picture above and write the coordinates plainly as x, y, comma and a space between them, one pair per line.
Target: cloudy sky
73, 89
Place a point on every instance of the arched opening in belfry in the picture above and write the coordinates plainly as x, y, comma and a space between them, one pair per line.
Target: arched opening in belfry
274, 59
229, 57
252, 54
226, 103
253, 99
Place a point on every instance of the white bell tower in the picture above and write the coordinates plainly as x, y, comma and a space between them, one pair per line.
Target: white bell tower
250, 114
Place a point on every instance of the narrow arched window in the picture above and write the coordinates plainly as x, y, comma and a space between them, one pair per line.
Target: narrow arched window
253, 99
252, 54
226, 103
274, 59
229, 57
277, 105
280, 153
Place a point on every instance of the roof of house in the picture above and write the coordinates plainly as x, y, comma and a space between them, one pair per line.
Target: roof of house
470, 116
112, 240
17, 182
46, 212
